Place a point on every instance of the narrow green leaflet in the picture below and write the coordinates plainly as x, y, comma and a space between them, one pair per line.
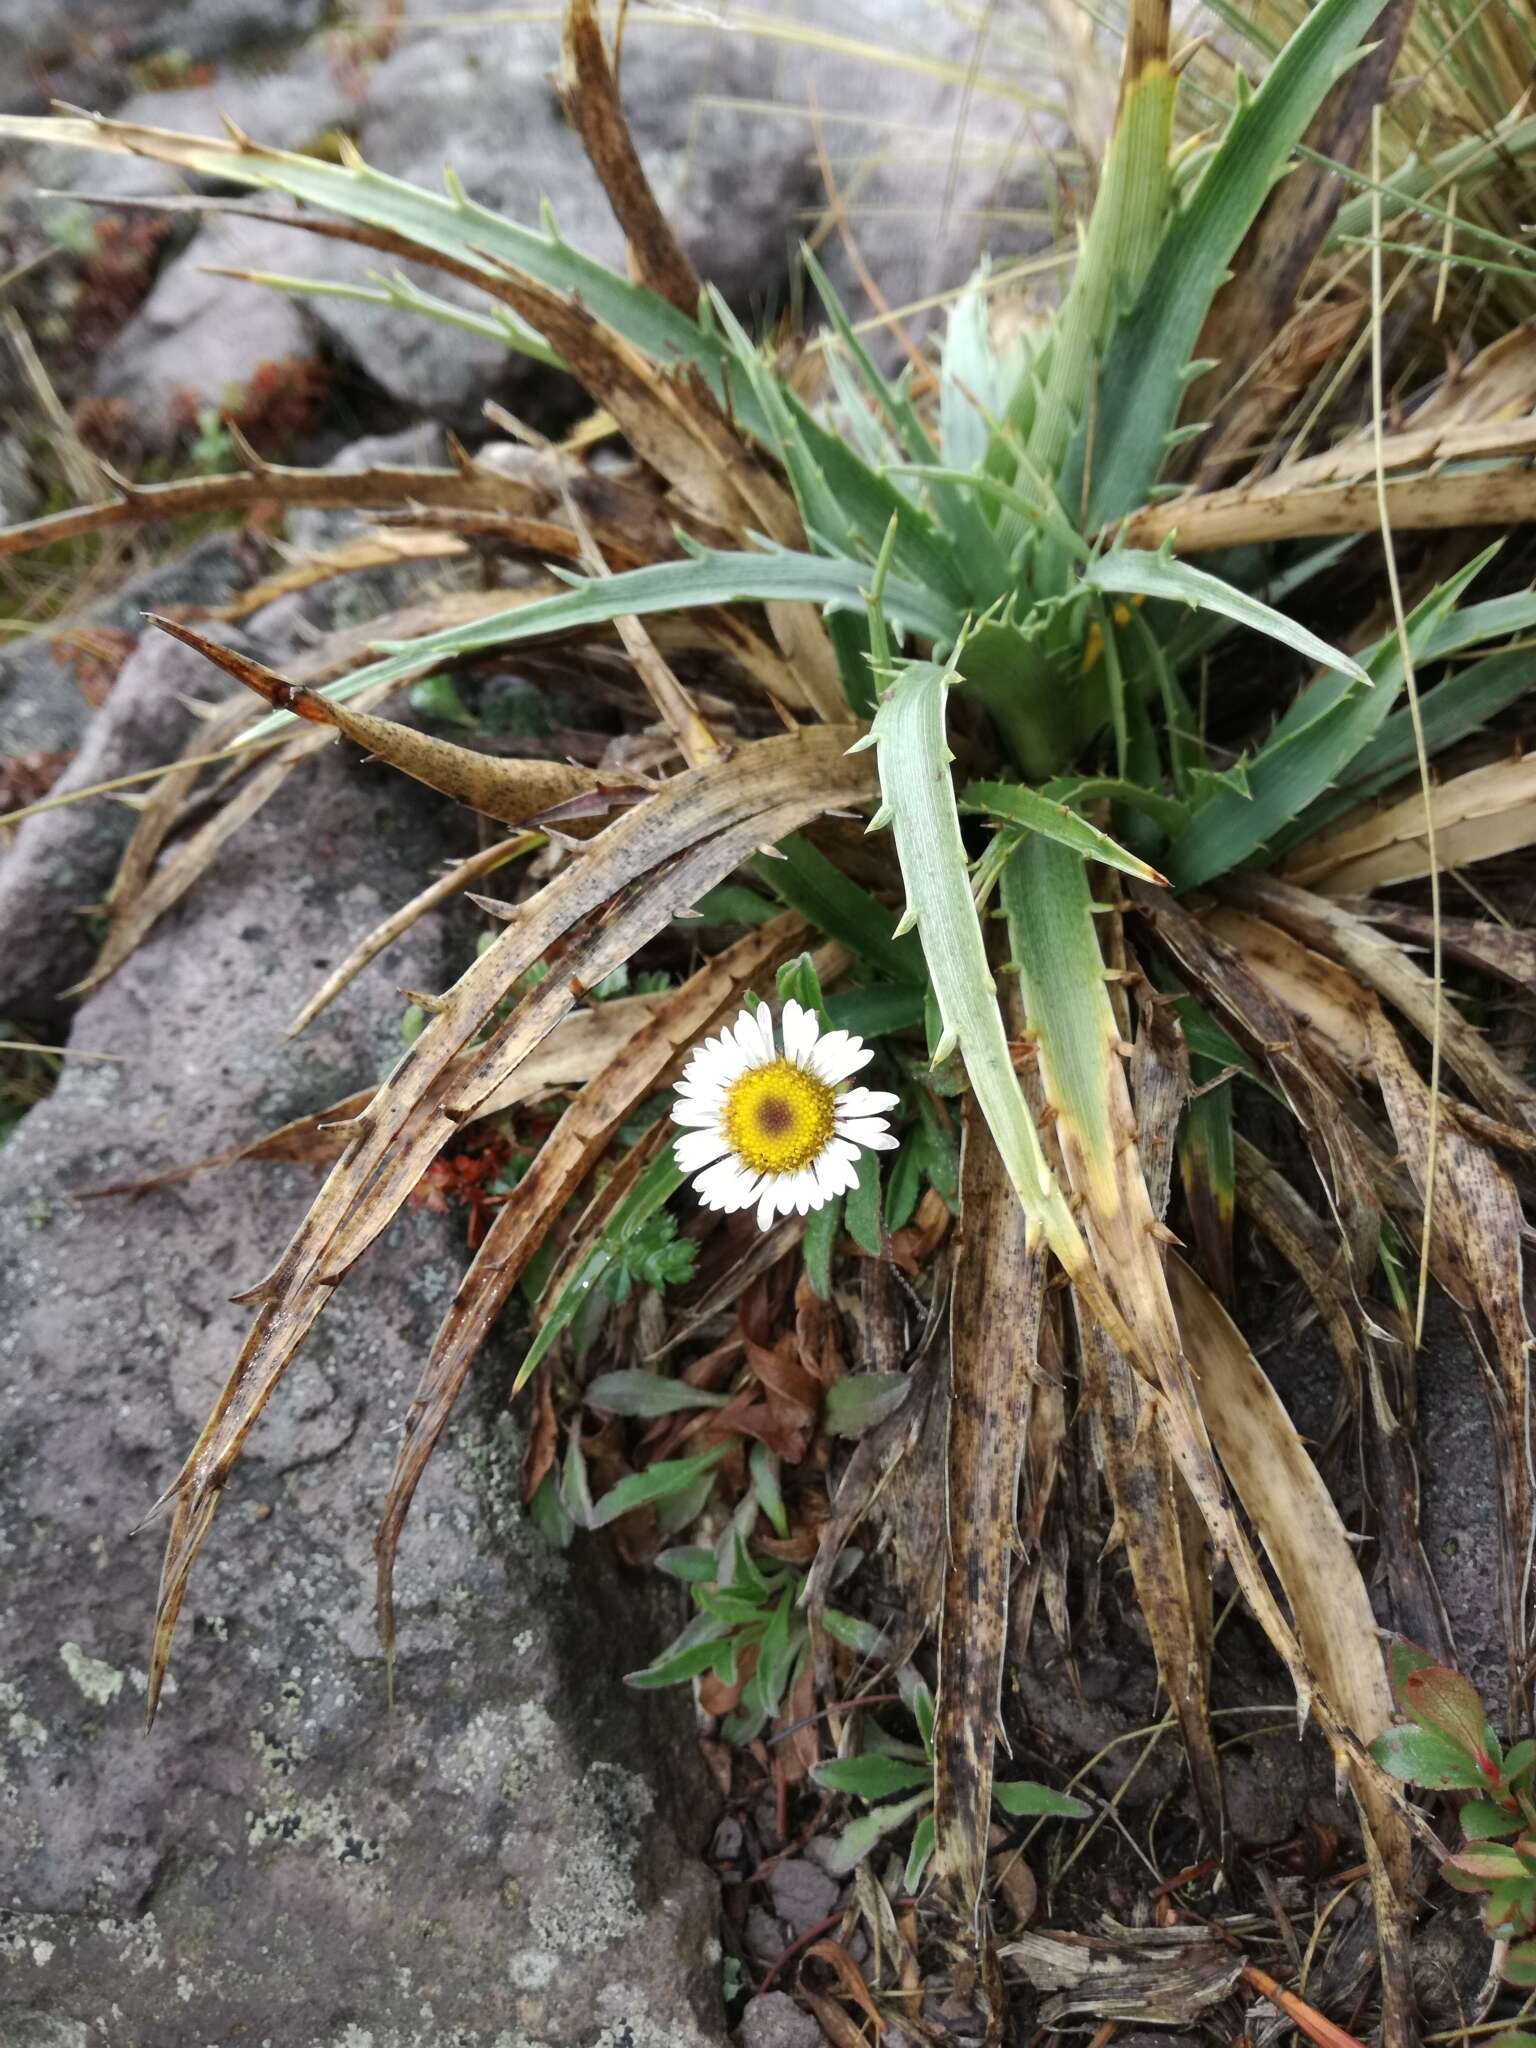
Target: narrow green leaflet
1304, 755
1021, 1796
450, 222
839, 908
647, 1393
651, 1192
705, 578
1035, 812
1136, 572
1146, 365
919, 801
655, 1483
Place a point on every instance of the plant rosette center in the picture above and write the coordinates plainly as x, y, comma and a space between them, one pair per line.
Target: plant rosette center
769, 1123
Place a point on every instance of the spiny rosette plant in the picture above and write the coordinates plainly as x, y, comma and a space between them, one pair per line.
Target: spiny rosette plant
1132, 817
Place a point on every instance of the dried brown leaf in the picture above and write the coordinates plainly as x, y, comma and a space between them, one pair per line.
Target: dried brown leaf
512, 792
1386, 966
589, 93
1374, 1379
999, 1285
1478, 815
1305, 1539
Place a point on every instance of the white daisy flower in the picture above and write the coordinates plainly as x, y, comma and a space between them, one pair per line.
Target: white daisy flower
777, 1128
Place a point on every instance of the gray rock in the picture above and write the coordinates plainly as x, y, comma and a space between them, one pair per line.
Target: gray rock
802, 1895
286, 106
505, 1857
41, 706
773, 2020
198, 340
62, 862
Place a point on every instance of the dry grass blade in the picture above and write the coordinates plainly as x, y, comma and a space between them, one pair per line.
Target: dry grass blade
458, 877
514, 498
373, 550
1375, 1387
589, 93
1477, 816
510, 791
999, 1284
1478, 1228
1306, 1542
1499, 948
637, 1068
684, 840
1285, 508
1383, 964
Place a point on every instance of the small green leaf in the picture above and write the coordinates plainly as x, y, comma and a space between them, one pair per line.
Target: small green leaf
1489, 1863
819, 1243
1035, 812
849, 1849
1403, 1659
1520, 1964
1020, 1796
1484, 1821
798, 982
1519, 1760
694, 1563
656, 1483
647, 1393
685, 1657
904, 1183
860, 1400
1443, 1700
733, 903
764, 1468
919, 1855
1510, 1908
1420, 1756
853, 1633
437, 697
861, 1211
872, 1777
549, 1514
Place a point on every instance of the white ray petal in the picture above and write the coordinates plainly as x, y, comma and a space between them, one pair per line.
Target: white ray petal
840, 1054
872, 1131
699, 1149
864, 1102
799, 1030
696, 1115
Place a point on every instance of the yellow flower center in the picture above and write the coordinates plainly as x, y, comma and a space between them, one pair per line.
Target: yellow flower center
779, 1118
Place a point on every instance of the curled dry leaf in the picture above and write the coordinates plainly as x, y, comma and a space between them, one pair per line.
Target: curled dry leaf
510, 791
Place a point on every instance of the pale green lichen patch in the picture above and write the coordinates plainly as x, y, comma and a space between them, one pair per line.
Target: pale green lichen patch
101, 1683
589, 1902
